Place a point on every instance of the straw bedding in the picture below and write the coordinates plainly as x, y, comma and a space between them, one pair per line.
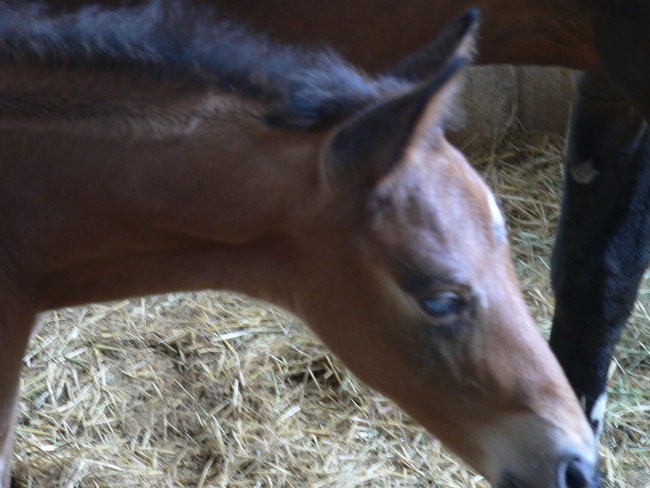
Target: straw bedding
214, 390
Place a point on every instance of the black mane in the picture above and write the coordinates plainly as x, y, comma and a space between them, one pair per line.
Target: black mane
168, 39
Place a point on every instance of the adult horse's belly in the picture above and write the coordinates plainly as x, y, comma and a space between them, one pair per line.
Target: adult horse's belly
377, 33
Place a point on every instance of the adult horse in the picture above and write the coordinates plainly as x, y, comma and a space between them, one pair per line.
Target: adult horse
603, 238
156, 148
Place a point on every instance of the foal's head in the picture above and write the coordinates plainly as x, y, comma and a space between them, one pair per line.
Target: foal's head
411, 284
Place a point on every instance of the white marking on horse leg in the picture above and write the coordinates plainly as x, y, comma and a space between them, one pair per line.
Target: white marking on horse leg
597, 416
5, 480
5, 459
584, 172
498, 222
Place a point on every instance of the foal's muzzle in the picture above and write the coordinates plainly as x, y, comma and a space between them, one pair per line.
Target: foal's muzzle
573, 471
578, 473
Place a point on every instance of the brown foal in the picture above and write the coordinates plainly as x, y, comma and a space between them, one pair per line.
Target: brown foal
192, 154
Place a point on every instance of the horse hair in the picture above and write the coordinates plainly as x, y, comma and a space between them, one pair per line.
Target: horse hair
170, 40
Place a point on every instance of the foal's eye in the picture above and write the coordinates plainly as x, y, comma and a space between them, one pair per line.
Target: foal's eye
444, 304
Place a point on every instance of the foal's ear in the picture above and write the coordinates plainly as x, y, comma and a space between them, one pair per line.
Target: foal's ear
457, 39
366, 148
374, 141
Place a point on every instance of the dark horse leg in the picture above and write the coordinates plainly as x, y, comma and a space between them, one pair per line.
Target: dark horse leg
602, 246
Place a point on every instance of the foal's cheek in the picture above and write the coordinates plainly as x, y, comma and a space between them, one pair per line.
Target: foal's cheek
450, 354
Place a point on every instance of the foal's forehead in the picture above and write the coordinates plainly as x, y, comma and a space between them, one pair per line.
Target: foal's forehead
443, 184
479, 201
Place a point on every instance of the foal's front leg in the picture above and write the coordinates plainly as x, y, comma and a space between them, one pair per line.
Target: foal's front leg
603, 239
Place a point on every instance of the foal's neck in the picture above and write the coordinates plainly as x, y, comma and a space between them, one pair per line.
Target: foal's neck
104, 218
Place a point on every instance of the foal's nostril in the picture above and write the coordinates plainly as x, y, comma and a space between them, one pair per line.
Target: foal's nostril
575, 477
578, 473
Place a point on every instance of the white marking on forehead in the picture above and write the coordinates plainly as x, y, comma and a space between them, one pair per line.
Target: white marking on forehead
597, 416
498, 222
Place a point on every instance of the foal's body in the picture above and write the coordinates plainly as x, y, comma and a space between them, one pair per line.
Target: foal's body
157, 149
